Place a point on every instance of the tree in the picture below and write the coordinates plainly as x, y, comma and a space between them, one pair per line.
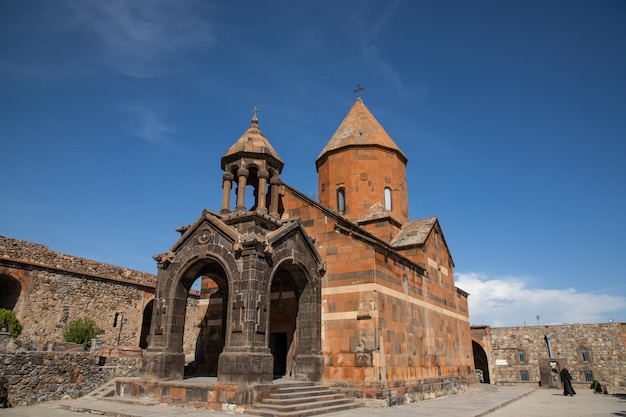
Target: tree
81, 331
10, 322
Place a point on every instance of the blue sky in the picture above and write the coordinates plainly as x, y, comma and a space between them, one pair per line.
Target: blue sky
114, 116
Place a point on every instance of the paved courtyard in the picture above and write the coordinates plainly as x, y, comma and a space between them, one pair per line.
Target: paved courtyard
491, 401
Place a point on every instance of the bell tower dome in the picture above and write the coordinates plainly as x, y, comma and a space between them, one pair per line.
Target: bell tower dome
361, 169
252, 161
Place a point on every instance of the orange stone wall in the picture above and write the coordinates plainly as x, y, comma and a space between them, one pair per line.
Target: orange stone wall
384, 318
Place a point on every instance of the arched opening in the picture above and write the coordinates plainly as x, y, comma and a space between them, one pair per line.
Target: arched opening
144, 339
204, 337
212, 322
252, 188
283, 313
480, 362
10, 293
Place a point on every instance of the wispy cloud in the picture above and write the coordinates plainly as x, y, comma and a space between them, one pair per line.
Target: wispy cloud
511, 302
148, 124
372, 44
144, 38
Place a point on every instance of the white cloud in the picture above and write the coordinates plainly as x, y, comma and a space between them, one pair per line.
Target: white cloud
144, 38
147, 123
510, 302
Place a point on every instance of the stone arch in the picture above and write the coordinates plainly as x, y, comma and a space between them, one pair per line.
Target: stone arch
11, 290
304, 358
480, 360
288, 283
164, 357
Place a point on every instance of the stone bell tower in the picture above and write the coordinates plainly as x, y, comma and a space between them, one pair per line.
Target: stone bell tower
252, 161
253, 258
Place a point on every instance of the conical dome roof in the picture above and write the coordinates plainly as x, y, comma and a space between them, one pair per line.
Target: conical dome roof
360, 128
253, 144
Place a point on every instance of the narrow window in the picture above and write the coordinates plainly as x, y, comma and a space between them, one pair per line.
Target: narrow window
521, 356
588, 376
405, 284
387, 198
341, 200
584, 353
524, 375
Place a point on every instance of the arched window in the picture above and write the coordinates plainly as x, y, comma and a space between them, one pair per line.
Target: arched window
387, 198
341, 200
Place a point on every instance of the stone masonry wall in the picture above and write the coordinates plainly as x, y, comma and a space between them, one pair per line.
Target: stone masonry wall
56, 288
33, 377
603, 342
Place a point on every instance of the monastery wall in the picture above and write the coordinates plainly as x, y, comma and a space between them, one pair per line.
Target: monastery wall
591, 351
53, 289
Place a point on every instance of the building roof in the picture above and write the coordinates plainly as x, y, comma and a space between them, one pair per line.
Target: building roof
360, 128
414, 232
253, 144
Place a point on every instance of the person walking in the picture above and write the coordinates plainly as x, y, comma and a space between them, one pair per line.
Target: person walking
566, 379
4, 395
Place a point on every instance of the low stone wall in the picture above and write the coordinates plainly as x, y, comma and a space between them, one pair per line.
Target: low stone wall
33, 377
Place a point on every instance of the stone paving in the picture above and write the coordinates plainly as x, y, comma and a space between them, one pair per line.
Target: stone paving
490, 401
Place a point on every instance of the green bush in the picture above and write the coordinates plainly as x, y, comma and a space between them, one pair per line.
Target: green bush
10, 322
81, 331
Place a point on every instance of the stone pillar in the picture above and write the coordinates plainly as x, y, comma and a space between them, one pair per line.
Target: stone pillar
164, 358
242, 177
262, 192
274, 182
246, 358
227, 186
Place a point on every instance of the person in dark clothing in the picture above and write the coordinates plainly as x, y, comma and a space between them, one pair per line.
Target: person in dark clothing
566, 379
4, 395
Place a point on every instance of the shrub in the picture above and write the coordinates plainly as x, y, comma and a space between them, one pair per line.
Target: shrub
10, 322
81, 331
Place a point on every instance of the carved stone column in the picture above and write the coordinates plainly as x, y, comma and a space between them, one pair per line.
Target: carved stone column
274, 182
262, 192
242, 175
227, 186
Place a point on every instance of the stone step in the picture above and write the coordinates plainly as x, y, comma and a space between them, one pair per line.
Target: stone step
294, 406
309, 392
301, 401
296, 400
302, 413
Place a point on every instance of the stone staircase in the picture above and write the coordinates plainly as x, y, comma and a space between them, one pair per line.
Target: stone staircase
106, 390
302, 400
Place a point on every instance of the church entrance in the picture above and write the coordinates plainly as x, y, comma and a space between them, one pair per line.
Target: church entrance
278, 347
283, 314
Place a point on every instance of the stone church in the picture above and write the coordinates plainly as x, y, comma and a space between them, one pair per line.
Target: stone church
346, 291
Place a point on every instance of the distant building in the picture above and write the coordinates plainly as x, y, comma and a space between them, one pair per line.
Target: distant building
534, 355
